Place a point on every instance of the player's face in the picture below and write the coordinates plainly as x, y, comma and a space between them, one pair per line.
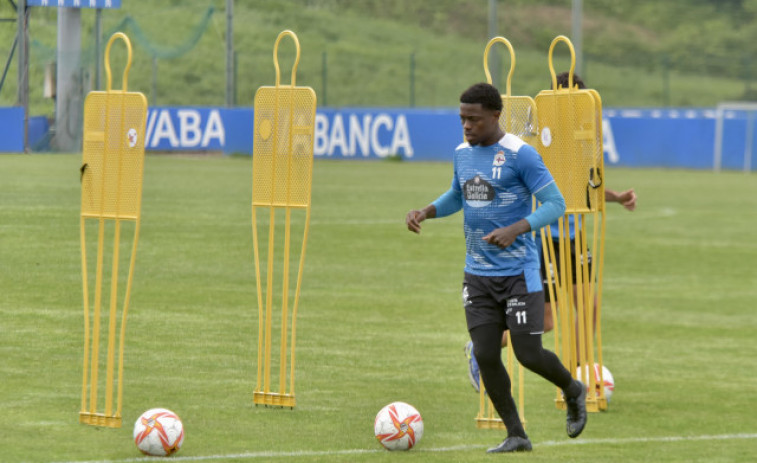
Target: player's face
480, 125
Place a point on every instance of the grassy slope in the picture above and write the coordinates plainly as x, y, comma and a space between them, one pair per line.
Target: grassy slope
368, 53
379, 318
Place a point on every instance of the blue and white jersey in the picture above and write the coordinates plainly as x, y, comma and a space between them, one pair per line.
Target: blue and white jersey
495, 184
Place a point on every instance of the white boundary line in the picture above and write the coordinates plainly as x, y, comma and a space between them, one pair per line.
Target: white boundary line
325, 453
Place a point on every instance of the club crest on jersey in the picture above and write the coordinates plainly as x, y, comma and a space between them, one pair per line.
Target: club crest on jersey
499, 158
478, 192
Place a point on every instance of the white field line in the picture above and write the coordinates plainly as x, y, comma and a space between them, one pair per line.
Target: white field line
326, 453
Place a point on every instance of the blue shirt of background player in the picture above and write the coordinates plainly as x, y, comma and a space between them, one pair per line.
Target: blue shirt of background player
493, 185
554, 228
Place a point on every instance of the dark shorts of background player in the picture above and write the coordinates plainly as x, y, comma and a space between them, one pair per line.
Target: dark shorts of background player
504, 301
556, 244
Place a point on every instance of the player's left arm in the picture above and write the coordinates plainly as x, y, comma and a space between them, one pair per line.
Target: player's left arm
552, 207
537, 178
542, 185
626, 198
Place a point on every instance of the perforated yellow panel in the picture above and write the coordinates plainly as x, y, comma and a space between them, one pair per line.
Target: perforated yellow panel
519, 117
570, 138
596, 194
114, 130
282, 163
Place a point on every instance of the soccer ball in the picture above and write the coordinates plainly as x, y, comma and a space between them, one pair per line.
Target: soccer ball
606, 381
158, 432
398, 426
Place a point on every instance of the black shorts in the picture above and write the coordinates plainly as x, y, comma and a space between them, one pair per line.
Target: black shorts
504, 301
556, 244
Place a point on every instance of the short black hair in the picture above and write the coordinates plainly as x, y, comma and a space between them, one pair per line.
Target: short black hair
562, 80
484, 94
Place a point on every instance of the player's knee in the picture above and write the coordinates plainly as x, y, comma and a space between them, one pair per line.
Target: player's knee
528, 352
530, 360
486, 357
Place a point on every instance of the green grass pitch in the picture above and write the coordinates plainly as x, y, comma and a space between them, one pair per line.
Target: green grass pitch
380, 319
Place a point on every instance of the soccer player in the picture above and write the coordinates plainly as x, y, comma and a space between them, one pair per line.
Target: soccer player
625, 198
495, 174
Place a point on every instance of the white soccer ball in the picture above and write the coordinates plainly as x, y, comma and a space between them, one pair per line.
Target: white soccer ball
158, 432
605, 381
398, 426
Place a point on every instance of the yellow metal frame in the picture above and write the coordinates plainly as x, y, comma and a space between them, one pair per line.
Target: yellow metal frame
487, 417
518, 112
112, 174
282, 179
584, 188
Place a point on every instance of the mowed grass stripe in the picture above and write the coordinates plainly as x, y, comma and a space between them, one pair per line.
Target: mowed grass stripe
306, 453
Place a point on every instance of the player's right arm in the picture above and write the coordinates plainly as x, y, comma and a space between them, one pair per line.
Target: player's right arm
415, 217
446, 204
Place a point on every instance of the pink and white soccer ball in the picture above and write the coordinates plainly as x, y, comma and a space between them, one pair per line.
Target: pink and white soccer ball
606, 380
158, 432
398, 426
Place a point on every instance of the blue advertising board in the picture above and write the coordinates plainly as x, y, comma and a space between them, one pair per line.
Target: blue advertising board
199, 129
632, 137
76, 3
677, 138
12, 129
360, 133
659, 137
351, 133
